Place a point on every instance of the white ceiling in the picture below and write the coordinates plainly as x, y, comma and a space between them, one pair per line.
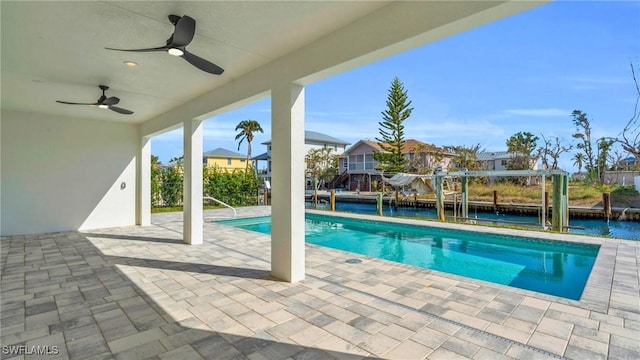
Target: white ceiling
55, 50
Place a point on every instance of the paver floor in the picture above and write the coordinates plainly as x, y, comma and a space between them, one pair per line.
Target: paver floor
139, 292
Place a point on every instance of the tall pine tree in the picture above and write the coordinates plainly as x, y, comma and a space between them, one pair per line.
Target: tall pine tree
391, 140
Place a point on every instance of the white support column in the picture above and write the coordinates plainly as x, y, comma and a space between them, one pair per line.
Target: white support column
192, 193
143, 183
287, 182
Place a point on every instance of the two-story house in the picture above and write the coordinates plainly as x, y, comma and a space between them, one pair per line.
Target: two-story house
224, 159
221, 158
312, 140
357, 168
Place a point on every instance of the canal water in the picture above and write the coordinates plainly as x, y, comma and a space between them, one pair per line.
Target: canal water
617, 229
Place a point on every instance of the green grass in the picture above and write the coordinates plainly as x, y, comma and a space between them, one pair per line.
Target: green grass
579, 194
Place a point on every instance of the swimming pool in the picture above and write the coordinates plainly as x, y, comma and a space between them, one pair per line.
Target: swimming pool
550, 267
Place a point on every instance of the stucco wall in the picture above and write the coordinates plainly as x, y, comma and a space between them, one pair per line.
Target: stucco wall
65, 174
222, 163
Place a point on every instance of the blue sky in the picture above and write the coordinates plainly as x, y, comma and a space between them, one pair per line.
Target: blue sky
527, 72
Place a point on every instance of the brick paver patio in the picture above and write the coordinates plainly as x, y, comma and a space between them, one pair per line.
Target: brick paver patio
139, 292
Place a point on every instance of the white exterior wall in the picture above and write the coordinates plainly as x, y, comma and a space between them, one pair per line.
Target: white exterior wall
65, 174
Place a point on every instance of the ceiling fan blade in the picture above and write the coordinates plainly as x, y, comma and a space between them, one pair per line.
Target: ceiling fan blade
120, 110
75, 103
111, 101
161, 48
202, 64
184, 32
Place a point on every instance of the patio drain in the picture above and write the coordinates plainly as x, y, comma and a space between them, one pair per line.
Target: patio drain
353, 261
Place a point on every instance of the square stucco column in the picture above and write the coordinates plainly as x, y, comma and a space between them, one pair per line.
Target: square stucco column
143, 183
287, 182
192, 193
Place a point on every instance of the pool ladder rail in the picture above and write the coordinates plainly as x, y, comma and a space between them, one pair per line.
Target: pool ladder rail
235, 213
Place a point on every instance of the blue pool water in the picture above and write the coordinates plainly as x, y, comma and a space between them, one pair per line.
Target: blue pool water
629, 230
550, 267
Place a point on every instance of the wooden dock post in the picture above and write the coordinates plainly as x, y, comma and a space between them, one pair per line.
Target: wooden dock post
440, 198
546, 200
465, 196
606, 205
565, 201
495, 200
395, 205
333, 199
543, 209
379, 203
557, 210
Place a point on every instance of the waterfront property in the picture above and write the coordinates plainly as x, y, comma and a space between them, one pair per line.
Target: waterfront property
357, 168
312, 140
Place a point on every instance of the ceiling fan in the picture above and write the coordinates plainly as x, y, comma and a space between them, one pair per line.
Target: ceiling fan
185, 28
103, 102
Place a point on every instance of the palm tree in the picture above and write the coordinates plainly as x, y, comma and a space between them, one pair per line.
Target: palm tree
578, 160
247, 128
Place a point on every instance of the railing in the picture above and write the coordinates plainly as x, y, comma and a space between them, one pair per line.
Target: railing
222, 203
337, 179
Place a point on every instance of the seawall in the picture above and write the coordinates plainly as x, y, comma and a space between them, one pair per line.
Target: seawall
575, 212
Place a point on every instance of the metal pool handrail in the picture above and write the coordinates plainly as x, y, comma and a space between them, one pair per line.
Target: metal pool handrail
222, 203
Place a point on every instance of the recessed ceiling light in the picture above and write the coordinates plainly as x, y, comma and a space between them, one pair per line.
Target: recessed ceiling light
175, 52
130, 64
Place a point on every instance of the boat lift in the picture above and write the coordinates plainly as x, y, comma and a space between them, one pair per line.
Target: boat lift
559, 207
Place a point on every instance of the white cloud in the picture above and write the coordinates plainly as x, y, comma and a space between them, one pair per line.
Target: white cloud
543, 112
599, 80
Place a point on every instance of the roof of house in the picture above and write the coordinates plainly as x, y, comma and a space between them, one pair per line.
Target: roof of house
263, 156
223, 153
494, 155
312, 136
409, 146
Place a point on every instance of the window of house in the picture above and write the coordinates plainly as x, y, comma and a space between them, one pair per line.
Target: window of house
228, 161
204, 161
503, 162
356, 162
369, 163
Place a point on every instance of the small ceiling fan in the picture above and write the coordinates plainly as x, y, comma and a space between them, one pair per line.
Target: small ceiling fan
185, 29
103, 102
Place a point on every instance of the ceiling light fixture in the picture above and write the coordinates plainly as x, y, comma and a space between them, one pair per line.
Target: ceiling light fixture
130, 64
175, 52
102, 106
